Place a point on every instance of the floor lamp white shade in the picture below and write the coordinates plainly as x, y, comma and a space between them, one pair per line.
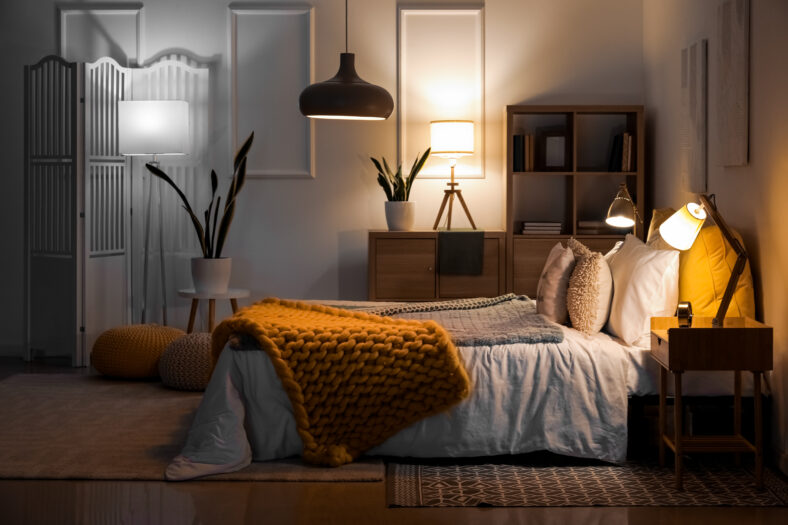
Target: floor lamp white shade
153, 127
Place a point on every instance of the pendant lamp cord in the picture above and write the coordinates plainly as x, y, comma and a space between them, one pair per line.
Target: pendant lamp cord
345, 26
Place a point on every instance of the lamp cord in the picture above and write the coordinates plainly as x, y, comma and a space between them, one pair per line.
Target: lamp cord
345, 26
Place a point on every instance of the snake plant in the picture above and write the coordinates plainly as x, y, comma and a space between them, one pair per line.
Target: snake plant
397, 187
211, 240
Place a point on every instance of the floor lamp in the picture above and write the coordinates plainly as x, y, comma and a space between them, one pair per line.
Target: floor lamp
153, 127
451, 139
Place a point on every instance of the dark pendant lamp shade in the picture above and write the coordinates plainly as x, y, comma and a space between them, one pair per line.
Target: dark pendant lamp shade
345, 96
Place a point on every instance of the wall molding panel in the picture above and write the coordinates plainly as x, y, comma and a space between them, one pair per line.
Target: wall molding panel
440, 70
266, 83
102, 30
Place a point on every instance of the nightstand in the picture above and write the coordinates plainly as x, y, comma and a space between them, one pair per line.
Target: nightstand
741, 344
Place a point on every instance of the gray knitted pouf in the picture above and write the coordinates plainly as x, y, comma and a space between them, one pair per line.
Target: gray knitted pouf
186, 363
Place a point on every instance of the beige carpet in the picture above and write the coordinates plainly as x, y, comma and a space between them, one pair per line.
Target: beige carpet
68, 426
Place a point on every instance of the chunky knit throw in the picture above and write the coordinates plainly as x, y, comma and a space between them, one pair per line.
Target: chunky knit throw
354, 379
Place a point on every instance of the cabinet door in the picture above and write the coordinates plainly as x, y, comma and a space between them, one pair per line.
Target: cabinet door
484, 285
529, 258
405, 269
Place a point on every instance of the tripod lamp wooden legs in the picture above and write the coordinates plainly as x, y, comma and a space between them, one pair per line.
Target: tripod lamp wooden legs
448, 196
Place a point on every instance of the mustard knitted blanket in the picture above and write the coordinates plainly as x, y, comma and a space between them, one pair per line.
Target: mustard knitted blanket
354, 379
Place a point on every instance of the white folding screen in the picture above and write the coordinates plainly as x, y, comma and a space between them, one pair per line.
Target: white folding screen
79, 194
51, 234
107, 202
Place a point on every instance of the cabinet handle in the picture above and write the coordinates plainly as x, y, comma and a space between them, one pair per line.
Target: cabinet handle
429, 269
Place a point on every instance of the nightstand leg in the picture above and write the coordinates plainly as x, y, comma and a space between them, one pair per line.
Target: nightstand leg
192, 315
678, 431
663, 387
234, 304
737, 410
756, 396
211, 313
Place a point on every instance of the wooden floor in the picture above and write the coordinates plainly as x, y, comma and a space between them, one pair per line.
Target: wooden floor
206, 502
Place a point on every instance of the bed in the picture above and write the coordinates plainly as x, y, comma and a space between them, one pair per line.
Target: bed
567, 397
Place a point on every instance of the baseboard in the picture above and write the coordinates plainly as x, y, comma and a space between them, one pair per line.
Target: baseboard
11, 351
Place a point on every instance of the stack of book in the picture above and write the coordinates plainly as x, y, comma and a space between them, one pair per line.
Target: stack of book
523, 153
621, 153
541, 228
595, 228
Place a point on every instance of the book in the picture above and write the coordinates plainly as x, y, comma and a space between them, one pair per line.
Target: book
518, 153
529, 152
616, 151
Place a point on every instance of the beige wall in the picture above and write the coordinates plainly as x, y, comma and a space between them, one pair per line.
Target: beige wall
308, 238
753, 198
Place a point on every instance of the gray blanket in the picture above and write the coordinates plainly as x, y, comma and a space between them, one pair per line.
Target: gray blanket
506, 319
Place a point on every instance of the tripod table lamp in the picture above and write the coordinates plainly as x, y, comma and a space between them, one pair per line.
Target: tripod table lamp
451, 139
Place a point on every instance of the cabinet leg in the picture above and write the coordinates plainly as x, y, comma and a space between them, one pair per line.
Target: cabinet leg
663, 386
678, 431
192, 315
211, 313
234, 304
756, 397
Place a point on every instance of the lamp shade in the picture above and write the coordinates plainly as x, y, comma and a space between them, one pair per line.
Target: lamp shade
345, 96
451, 139
681, 228
621, 213
153, 127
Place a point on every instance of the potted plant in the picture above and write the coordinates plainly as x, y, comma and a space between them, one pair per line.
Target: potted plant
400, 212
211, 272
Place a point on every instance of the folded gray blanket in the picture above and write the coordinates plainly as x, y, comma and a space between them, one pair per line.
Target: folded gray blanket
506, 319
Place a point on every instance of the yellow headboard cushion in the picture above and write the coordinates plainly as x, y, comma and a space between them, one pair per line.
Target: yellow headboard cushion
704, 271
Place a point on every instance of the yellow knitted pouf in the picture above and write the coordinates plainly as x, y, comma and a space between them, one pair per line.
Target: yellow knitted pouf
132, 351
187, 362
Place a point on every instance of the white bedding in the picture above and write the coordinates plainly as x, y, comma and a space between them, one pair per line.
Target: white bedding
569, 398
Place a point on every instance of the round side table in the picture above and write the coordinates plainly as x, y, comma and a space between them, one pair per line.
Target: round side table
233, 294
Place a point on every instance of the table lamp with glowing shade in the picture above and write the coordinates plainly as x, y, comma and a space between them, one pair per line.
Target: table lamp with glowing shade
681, 229
451, 139
153, 127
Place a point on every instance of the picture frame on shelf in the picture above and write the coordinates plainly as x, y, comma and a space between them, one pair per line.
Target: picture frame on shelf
552, 149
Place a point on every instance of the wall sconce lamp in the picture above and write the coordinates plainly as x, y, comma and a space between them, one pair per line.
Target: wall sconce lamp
623, 212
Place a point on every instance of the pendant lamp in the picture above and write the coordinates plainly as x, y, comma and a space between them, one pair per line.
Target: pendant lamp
346, 96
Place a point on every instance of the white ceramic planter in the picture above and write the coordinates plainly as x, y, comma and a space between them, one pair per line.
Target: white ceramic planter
211, 275
400, 215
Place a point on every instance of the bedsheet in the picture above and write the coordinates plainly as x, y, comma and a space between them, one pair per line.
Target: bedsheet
569, 398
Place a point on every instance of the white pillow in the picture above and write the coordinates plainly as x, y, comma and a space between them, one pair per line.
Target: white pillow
645, 285
551, 290
590, 290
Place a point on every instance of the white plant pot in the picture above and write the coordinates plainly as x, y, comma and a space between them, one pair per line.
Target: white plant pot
211, 275
400, 215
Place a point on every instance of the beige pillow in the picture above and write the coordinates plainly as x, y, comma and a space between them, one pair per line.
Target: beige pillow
590, 290
553, 283
654, 239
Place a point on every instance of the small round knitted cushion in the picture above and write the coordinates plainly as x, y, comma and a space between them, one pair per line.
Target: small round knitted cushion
187, 362
132, 351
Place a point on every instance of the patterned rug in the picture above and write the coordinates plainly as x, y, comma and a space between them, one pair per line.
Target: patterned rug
584, 485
